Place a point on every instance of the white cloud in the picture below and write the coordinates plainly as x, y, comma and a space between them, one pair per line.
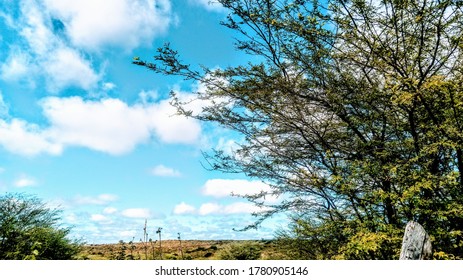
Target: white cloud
210, 5
33, 27
107, 125
127, 234
25, 181
109, 210
39, 52
230, 209
108, 86
112, 126
149, 96
183, 209
227, 146
101, 199
66, 67
170, 127
195, 105
7, 18
26, 139
224, 188
164, 171
55, 38
241, 208
92, 24
17, 65
99, 218
137, 213
71, 218
210, 208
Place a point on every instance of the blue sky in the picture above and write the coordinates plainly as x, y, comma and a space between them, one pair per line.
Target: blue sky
83, 128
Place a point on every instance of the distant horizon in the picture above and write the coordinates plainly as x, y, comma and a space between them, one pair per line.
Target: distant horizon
176, 240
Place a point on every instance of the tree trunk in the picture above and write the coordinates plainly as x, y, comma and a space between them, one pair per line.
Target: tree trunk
416, 244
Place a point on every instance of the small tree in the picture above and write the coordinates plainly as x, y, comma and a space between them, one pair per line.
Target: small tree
30, 230
121, 254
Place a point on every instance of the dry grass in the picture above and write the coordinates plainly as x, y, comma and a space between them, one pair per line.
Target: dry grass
192, 249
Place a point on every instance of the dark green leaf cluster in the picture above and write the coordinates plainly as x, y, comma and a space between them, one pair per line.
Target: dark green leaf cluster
352, 111
30, 230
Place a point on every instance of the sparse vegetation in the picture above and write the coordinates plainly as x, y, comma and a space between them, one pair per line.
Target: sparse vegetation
194, 250
183, 249
29, 230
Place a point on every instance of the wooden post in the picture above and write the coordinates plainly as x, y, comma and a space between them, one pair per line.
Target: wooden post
416, 244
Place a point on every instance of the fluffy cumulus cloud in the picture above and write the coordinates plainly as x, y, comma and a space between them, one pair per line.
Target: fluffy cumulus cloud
99, 218
220, 188
125, 234
55, 39
92, 24
20, 137
102, 199
209, 208
56, 42
108, 125
137, 213
213, 208
109, 210
67, 67
112, 126
39, 51
17, 65
210, 5
170, 127
183, 208
229, 209
25, 181
164, 171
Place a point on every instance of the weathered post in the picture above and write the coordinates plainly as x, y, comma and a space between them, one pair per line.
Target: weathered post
416, 244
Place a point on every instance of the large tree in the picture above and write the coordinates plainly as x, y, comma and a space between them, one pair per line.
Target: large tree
352, 111
29, 229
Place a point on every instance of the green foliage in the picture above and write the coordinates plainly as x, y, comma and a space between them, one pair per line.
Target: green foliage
30, 230
241, 251
122, 252
352, 111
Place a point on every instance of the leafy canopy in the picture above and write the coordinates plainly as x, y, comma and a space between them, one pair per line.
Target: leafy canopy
30, 230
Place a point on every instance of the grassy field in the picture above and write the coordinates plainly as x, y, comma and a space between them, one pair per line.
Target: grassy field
186, 250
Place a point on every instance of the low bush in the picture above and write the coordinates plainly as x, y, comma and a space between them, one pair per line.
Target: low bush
30, 230
248, 250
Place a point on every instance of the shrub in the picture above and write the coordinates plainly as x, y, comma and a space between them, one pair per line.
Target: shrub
241, 251
30, 230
